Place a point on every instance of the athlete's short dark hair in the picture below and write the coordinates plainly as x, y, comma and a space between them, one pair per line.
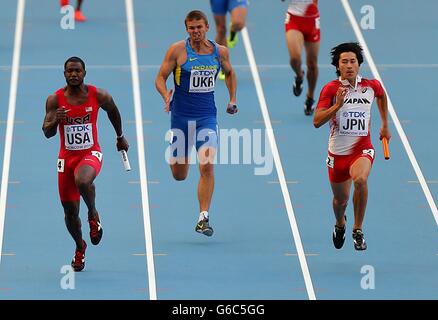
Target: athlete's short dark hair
196, 15
346, 47
74, 59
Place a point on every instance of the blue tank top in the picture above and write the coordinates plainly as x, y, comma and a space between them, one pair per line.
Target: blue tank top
194, 84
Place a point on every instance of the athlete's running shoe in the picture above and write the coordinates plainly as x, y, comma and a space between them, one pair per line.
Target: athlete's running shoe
78, 262
79, 16
63, 2
358, 239
298, 85
96, 230
221, 75
231, 43
204, 227
338, 236
308, 106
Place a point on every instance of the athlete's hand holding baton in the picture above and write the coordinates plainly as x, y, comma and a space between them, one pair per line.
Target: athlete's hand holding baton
122, 147
385, 136
385, 148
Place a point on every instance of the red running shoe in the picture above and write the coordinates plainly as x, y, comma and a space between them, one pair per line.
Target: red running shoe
79, 16
63, 2
96, 230
78, 262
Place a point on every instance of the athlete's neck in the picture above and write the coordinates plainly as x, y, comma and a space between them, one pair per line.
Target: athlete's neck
197, 46
75, 90
351, 81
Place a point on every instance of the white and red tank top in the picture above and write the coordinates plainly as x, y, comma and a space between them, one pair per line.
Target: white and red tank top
350, 127
79, 132
304, 8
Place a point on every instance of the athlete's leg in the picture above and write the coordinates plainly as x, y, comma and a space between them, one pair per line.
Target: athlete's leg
312, 50
221, 29
238, 20
206, 181
341, 194
79, 16
180, 169
295, 44
78, 5
84, 177
359, 172
181, 144
73, 222
70, 197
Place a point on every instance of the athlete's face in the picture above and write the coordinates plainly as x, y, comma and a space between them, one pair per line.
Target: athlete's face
196, 29
74, 74
348, 66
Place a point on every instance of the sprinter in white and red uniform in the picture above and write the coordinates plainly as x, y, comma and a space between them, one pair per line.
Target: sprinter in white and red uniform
74, 109
346, 104
302, 30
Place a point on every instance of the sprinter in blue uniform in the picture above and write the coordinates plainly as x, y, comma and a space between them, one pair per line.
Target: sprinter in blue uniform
195, 64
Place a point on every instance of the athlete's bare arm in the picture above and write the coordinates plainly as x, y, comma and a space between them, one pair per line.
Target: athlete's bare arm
171, 59
230, 75
53, 116
107, 103
324, 115
382, 104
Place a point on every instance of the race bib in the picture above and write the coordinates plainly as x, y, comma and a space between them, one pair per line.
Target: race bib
330, 161
202, 80
369, 152
78, 136
60, 165
354, 123
317, 23
98, 155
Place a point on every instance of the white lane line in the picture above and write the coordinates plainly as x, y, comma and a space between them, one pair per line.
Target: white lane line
11, 115
391, 109
288, 254
141, 149
278, 165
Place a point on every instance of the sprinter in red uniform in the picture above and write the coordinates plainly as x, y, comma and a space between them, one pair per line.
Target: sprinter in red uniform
74, 110
302, 31
346, 104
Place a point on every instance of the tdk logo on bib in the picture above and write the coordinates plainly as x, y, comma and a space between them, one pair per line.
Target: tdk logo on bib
202, 80
354, 123
78, 137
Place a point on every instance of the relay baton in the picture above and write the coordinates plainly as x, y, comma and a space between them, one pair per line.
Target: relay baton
125, 160
385, 148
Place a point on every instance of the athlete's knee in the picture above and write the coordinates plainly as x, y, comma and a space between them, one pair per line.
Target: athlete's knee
207, 170
221, 30
179, 175
312, 66
238, 25
360, 182
340, 201
295, 62
71, 213
83, 183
